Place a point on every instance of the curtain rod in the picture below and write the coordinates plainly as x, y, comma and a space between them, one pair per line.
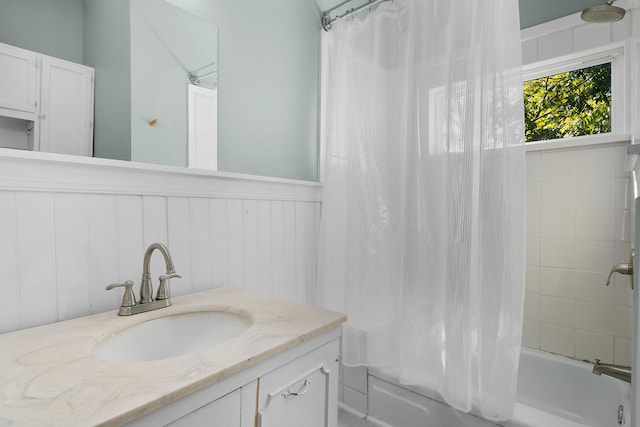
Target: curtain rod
195, 78
327, 21
203, 67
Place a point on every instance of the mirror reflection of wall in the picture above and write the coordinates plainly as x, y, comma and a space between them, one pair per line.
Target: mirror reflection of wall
167, 44
268, 90
143, 51
267, 74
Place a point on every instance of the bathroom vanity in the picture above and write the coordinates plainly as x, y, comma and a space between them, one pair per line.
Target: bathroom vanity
282, 370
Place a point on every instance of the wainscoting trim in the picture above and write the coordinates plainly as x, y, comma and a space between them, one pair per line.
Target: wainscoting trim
36, 171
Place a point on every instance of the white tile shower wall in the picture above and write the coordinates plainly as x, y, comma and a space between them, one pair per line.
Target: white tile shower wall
570, 34
61, 247
578, 227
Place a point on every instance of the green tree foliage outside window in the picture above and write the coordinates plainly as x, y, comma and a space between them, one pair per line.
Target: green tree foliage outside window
568, 104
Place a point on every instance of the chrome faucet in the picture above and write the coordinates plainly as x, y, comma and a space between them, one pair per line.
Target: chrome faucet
616, 371
129, 305
146, 289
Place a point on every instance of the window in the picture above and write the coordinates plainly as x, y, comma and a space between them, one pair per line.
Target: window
574, 96
569, 104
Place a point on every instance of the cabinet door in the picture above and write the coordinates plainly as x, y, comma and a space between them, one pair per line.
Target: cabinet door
203, 128
302, 392
18, 69
223, 412
66, 113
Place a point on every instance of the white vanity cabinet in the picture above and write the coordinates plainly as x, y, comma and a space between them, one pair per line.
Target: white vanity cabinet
222, 412
298, 387
302, 392
46, 103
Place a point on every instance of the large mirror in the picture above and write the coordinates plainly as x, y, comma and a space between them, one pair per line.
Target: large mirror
259, 60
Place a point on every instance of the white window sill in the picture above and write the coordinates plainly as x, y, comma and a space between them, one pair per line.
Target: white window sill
579, 141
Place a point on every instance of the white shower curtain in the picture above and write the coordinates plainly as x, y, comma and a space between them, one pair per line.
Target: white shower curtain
422, 227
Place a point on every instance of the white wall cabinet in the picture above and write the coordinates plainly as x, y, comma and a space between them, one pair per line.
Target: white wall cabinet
66, 109
52, 96
298, 387
18, 82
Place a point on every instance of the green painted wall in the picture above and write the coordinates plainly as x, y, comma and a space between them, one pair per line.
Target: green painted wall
107, 49
166, 42
534, 12
268, 85
49, 27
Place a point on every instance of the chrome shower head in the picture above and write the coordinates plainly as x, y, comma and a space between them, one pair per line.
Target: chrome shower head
603, 13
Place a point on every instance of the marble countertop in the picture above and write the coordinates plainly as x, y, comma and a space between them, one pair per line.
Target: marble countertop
49, 376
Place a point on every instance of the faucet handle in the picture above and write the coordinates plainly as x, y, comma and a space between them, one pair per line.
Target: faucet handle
163, 290
623, 268
129, 298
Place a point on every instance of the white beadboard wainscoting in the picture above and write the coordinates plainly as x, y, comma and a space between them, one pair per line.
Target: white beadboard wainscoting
69, 226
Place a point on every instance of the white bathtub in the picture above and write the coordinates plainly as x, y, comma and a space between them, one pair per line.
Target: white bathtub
553, 391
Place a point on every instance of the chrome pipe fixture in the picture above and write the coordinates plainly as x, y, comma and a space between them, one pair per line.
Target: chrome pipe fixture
603, 13
146, 289
129, 305
623, 268
195, 78
327, 21
620, 372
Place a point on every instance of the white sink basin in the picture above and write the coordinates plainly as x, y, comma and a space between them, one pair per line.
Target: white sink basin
172, 336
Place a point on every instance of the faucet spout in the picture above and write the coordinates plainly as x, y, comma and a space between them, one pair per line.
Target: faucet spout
146, 289
129, 305
616, 371
623, 268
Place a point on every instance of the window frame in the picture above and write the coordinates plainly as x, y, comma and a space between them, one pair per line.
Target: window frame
612, 53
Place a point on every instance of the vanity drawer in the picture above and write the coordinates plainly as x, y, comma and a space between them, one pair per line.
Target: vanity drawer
303, 392
223, 412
